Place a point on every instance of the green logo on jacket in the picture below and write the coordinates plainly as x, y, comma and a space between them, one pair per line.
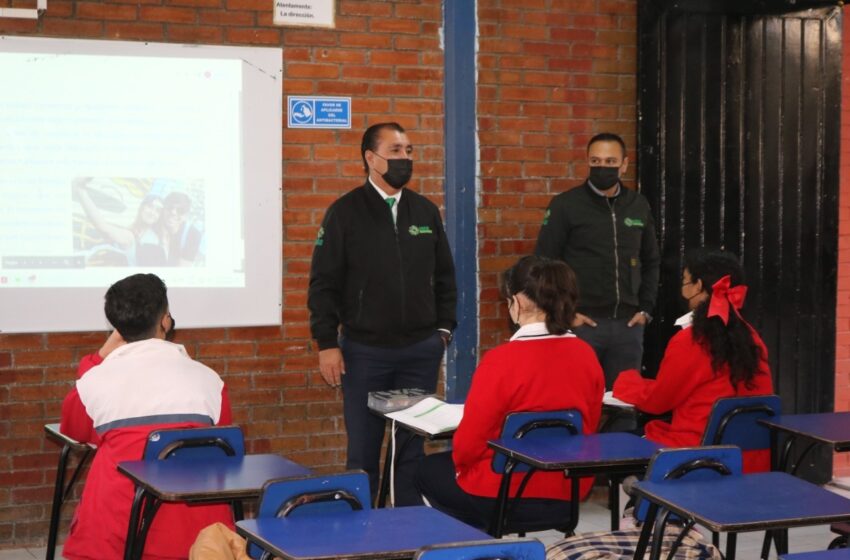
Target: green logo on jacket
419, 230
546, 216
319, 238
633, 222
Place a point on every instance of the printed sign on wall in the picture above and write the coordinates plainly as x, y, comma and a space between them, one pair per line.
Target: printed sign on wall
306, 13
319, 112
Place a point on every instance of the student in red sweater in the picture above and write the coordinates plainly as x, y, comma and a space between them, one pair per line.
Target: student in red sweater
136, 383
716, 354
543, 367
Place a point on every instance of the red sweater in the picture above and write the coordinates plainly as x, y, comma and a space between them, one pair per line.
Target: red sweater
688, 386
99, 527
527, 374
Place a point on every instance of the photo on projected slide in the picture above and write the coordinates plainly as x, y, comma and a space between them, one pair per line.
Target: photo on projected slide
138, 222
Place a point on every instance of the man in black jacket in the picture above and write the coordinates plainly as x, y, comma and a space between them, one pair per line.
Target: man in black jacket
606, 233
383, 271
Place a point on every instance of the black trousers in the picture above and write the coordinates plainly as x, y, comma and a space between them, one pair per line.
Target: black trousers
617, 345
435, 479
370, 368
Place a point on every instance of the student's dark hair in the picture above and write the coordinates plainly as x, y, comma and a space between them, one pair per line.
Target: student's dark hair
731, 344
607, 137
370, 139
135, 305
550, 284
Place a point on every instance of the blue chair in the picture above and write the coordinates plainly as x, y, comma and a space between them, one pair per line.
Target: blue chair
184, 443
518, 549
734, 421
839, 554
532, 425
692, 463
312, 495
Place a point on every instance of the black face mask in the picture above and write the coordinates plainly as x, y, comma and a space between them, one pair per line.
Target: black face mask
603, 178
399, 171
169, 335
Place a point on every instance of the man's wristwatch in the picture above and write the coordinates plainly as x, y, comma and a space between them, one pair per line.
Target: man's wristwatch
646, 316
447, 336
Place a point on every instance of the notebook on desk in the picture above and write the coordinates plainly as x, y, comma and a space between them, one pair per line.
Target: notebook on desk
430, 415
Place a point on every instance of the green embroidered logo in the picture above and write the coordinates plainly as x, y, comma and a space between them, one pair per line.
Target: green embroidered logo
546, 216
320, 237
633, 222
417, 230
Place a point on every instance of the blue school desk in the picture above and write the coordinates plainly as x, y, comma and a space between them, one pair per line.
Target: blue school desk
739, 504
60, 490
831, 428
196, 481
837, 554
615, 454
374, 533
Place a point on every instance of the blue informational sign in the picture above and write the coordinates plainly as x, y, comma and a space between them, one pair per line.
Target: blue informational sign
319, 112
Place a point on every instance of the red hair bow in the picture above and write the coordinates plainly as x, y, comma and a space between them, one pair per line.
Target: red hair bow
723, 296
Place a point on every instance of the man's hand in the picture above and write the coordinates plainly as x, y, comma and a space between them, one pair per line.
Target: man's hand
332, 366
639, 318
583, 320
114, 341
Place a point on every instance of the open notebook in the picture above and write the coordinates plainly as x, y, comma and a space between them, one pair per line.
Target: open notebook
430, 415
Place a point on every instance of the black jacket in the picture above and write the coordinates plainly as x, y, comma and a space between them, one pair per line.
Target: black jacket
610, 244
387, 285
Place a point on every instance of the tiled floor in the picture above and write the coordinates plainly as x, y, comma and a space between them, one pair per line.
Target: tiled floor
594, 517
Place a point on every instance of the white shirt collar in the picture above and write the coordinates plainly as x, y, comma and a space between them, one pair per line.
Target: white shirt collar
685, 320
600, 193
536, 331
396, 196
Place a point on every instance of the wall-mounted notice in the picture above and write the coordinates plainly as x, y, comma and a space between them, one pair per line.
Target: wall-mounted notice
308, 13
319, 112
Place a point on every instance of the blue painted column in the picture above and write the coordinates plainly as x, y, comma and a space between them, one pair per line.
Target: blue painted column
460, 26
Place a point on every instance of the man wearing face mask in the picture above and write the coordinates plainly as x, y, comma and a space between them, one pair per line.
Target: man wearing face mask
382, 299
606, 233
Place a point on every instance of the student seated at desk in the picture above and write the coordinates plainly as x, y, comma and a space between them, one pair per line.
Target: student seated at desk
136, 383
717, 354
543, 367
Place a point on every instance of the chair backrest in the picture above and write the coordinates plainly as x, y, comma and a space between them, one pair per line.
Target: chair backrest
312, 495
503, 549
537, 424
195, 443
692, 463
733, 421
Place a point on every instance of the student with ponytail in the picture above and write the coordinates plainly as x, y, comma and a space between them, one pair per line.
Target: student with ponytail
717, 354
543, 367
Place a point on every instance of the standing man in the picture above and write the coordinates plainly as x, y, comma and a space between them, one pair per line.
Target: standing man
382, 270
606, 233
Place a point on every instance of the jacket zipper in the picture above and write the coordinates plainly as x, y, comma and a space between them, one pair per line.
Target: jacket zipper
400, 269
611, 204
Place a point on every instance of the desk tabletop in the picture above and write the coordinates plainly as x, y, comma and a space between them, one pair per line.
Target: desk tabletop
832, 428
376, 533
750, 502
52, 432
194, 480
835, 554
593, 451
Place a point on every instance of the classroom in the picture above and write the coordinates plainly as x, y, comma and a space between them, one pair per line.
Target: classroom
730, 113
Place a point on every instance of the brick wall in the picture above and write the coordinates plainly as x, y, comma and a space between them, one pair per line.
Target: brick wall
842, 318
551, 74
387, 56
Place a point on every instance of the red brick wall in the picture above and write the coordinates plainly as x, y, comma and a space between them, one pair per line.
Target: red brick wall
551, 74
842, 318
387, 56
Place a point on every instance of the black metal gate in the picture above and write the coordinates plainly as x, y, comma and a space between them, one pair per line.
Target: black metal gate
738, 139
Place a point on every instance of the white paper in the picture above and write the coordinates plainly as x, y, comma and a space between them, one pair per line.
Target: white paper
609, 399
430, 415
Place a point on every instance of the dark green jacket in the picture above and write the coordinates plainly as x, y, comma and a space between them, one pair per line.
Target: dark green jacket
610, 244
387, 285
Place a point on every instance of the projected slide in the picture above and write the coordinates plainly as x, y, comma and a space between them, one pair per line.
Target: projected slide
121, 157
111, 165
